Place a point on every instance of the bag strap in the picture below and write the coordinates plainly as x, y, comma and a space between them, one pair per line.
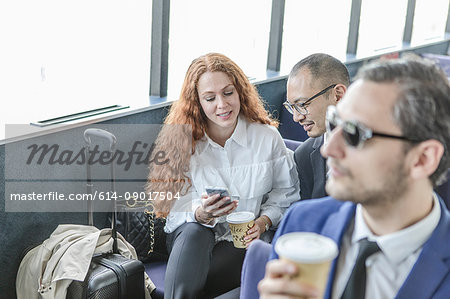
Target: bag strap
149, 213
151, 221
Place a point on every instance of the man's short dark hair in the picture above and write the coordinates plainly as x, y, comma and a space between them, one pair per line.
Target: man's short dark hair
324, 68
422, 109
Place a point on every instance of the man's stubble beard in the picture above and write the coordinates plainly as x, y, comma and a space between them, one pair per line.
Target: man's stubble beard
393, 186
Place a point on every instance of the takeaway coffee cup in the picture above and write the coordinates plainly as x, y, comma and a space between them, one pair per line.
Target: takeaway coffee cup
240, 223
312, 253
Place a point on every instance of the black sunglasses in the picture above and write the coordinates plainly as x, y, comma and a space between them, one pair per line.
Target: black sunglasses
355, 133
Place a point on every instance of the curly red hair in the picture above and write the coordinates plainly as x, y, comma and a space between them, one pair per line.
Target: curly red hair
178, 142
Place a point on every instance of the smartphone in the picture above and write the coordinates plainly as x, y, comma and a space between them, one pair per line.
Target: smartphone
219, 190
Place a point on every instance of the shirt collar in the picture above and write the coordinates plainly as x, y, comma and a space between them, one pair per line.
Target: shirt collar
325, 137
399, 245
240, 132
239, 136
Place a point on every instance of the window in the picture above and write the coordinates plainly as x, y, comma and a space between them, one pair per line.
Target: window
237, 29
427, 28
63, 56
381, 26
314, 26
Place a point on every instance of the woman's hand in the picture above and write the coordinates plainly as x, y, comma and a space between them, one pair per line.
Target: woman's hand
213, 207
257, 229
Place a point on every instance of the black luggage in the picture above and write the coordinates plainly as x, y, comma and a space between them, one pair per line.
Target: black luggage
110, 276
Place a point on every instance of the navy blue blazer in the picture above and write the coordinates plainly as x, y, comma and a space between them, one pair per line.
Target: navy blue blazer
430, 275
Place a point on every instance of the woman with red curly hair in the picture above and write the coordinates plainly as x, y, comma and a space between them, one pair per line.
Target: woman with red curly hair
217, 134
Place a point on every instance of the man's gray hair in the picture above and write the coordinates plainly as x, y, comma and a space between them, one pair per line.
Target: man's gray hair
324, 68
422, 110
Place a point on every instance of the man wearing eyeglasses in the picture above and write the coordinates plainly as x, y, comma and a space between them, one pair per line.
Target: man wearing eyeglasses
388, 146
314, 83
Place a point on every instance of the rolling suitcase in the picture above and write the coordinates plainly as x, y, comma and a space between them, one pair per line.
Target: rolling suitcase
111, 275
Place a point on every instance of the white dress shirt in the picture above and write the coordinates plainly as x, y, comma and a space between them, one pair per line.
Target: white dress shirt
254, 165
388, 268
326, 135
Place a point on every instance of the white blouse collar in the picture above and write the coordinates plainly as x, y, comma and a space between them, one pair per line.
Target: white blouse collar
239, 136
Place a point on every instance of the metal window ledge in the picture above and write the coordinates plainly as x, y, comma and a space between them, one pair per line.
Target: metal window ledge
79, 115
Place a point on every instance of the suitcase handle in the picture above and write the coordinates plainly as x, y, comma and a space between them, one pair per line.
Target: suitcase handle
102, 134
88, 133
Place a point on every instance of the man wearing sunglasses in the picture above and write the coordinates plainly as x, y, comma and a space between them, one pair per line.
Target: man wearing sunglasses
314, 83
388, 147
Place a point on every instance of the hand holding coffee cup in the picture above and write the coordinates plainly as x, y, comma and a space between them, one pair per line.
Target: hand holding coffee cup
276, 282
262, 224
311, 253
240, 223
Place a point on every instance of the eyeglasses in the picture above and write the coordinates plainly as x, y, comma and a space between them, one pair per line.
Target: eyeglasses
301, 107
355, 133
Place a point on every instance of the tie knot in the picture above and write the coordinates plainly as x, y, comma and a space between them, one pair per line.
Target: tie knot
366, 249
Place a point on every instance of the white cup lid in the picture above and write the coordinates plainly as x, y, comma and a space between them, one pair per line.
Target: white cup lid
240, 217
305, 247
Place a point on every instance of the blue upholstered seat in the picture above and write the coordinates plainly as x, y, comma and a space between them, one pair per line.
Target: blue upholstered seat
442, 60
289, 129
292, 144
157, 271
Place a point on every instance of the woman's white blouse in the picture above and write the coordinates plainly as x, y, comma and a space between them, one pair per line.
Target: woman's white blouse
254, 164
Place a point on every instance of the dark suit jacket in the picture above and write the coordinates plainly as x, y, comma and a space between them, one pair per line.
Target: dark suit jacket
430, 275
311, 168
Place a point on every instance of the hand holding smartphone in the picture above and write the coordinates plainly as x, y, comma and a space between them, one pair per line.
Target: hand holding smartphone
222, 191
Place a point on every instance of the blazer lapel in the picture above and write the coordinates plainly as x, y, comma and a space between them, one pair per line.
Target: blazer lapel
430, 268
425, 276
318, 166
335, 228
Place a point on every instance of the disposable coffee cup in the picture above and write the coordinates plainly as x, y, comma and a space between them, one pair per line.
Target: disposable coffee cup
312, 253
240, 223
